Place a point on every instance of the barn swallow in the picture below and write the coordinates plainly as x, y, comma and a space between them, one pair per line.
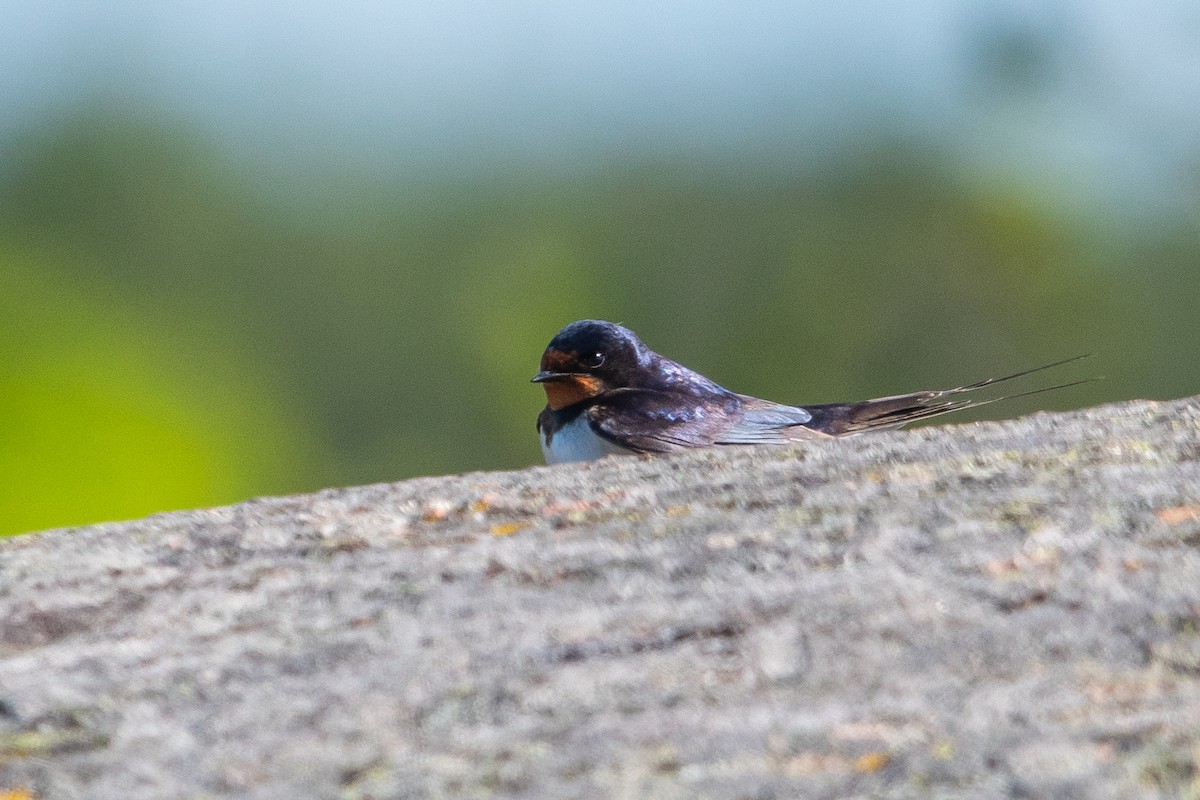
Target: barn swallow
607, 393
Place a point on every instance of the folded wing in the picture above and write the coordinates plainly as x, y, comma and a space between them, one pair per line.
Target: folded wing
659, 422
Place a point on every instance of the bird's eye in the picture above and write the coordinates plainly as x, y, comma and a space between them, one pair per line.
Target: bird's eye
593, 360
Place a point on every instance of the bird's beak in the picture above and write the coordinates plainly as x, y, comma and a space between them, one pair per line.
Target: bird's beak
549, 375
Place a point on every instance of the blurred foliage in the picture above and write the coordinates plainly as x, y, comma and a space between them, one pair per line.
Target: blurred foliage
177, 334
108, 414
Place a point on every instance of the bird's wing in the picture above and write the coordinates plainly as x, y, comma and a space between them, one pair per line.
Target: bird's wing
659, 422
764, 422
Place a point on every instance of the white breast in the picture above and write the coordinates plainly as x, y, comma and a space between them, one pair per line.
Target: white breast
576, 441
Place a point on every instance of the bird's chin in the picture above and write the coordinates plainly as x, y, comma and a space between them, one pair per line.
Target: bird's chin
567, 390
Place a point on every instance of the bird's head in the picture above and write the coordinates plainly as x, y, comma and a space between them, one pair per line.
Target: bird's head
588, 358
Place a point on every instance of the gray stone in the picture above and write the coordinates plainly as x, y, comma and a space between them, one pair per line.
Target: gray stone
989, 610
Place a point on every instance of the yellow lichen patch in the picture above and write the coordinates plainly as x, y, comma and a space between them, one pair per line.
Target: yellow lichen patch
508, 528
1040, 554
483, 504
943, 750
19, 793
872, 762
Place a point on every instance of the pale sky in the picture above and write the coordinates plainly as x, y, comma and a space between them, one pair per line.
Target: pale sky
1102, 92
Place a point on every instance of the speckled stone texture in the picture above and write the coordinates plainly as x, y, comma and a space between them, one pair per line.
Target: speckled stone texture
988, 610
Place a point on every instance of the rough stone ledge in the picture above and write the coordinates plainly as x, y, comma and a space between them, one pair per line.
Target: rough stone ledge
990, 610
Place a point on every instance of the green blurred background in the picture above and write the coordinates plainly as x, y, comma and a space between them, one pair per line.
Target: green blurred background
246, 251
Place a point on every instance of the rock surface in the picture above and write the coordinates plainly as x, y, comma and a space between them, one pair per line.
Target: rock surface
988, 610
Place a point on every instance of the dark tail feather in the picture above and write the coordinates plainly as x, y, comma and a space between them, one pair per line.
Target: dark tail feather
840, 419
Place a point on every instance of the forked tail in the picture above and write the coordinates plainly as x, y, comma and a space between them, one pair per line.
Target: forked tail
842, 419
